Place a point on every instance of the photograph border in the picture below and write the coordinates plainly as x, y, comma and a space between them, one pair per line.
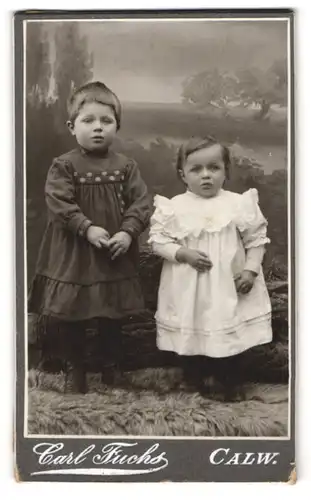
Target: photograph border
21, 18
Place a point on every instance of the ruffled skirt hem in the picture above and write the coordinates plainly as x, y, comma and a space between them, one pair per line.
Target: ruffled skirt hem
72, 302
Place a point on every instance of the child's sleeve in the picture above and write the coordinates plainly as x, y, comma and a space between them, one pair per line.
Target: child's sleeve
252, 226
136, 217
163, 235
60, 198
254, 258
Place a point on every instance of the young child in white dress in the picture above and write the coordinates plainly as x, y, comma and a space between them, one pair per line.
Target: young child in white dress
212, 299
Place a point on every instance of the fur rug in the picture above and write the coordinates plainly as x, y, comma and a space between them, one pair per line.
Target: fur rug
151, 403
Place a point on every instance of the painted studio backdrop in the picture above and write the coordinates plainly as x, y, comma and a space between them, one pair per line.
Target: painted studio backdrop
175, 80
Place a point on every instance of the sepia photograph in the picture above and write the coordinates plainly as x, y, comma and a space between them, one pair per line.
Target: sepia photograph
158, 206
225, 92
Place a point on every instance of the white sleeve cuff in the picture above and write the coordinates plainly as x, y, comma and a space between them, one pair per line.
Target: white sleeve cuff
166, 250
254, 257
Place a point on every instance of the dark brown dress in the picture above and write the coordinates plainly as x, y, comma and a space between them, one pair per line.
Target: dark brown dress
74, 280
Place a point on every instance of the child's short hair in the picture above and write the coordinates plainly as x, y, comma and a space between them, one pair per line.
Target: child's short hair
195, 144
93, 92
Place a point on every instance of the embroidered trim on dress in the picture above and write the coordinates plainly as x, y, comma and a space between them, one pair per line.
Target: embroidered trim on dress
176, 329
104, 177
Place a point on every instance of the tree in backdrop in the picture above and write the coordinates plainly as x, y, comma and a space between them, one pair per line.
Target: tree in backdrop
39, 119
48, 87
211, 88
263, 88
244, 87
73, 66
38, 67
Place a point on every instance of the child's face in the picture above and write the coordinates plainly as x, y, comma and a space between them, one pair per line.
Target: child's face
204, 171
95, 126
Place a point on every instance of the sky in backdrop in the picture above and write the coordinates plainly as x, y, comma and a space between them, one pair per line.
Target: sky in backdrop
148, 61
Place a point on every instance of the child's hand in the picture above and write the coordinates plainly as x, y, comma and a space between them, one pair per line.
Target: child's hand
195, 258
244, 281
98, 236
119, 244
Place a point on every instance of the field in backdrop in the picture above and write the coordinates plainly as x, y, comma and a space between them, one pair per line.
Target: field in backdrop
151, 133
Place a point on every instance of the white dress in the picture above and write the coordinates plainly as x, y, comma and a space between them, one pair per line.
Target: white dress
202, 313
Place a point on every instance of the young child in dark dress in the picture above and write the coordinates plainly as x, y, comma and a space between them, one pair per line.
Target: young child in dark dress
97, 207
